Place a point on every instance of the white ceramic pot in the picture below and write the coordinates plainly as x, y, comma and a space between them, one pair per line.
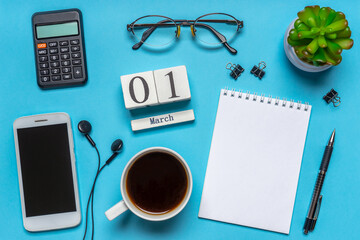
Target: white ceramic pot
293, 58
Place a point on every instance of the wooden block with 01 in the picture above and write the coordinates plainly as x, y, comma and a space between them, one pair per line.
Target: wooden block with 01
172, 84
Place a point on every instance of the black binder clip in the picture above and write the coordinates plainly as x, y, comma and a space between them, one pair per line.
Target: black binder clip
236, 70
258, 71
333, 97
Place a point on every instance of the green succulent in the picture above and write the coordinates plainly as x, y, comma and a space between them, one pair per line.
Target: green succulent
319, 35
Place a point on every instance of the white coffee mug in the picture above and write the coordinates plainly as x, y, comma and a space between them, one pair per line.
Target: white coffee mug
126, 204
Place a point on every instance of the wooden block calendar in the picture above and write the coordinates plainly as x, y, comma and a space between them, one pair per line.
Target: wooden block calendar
155, 87
139, 90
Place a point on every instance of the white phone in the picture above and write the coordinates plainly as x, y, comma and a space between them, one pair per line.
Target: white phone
47, 174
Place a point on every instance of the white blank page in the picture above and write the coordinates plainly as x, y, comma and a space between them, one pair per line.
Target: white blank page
254, 161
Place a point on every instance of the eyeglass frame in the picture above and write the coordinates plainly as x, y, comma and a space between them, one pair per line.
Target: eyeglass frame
181, 22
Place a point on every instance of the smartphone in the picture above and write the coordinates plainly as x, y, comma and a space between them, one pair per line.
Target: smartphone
47, 173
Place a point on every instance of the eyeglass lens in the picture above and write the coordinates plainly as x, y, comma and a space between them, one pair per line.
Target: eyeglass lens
159, 30
205, 26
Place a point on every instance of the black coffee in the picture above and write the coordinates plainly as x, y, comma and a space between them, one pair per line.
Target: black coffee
156, 183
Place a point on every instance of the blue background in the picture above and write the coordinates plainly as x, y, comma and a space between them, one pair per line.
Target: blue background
109, 55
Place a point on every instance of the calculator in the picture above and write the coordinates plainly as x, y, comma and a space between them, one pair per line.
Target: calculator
59, 48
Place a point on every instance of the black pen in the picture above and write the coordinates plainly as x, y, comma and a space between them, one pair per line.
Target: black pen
316, 197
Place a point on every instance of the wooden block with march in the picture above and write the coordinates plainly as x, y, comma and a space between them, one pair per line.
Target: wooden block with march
162, 120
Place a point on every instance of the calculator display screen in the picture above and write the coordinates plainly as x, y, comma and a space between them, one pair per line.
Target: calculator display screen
57, 30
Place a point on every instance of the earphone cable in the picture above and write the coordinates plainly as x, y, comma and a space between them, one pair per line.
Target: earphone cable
92, 192
85, 128
91, 199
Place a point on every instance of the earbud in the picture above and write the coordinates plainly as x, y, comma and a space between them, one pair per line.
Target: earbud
85, 128
116, 147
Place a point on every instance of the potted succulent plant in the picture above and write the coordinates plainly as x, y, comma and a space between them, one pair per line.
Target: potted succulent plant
314, 41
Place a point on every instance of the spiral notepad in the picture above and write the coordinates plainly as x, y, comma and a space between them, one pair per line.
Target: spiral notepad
254, 161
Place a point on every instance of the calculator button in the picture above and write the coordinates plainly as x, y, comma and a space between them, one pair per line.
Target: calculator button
75, 55
64, 49
44, 65
55, 70
64, 43
76, 62
75, 48
45, 78
54, 57
65, 63
43, 58
52, 44
53, 50
56, 78
66, 70
65, 56
44, 72
67, 76
54, 64
42, 52
74, 42
78, 72
41, 45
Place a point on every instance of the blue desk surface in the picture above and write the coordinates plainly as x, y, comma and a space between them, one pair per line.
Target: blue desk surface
109, 55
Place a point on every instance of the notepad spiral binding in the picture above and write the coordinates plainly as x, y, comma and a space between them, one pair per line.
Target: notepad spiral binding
269, 100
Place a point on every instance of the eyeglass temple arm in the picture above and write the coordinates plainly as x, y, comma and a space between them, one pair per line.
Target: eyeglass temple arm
221, 37
147, 34
235, 21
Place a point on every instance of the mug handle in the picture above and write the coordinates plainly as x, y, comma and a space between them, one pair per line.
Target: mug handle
116, 210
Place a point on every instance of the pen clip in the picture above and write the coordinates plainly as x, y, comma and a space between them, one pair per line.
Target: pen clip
316, 214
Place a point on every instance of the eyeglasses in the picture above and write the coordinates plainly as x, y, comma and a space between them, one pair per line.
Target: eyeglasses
212, 29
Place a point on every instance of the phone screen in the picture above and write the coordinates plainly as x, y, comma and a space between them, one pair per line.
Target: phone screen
46, 170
